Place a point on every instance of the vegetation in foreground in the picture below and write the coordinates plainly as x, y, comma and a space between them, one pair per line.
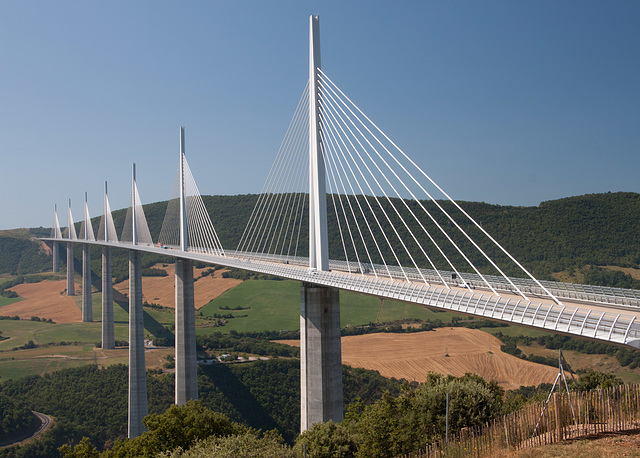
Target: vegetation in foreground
388, 427
92, 402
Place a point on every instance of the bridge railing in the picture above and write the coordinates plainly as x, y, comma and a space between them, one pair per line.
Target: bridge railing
587, 293
613, 327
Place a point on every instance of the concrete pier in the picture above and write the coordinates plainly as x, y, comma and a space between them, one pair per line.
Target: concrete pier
137, 374
71, 289
55, 251
87, 304
185, 332
108, 338
320, 356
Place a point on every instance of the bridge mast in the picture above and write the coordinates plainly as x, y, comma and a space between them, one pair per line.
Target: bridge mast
318, 240
183, 207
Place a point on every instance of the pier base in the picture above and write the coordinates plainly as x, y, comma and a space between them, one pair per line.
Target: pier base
71, 289
55, 251
87, 304
108, 338
320, 356
185, 331
137, 374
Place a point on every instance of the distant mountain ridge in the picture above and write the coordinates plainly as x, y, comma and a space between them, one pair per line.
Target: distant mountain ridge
557, 235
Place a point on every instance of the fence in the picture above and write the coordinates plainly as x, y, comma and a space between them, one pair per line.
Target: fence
609, 410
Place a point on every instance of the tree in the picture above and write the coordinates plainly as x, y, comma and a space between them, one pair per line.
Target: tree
247, 445
327, 440
179, 426
591, 380
83, 450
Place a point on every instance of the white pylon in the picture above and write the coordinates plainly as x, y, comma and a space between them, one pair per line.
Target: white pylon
318, 239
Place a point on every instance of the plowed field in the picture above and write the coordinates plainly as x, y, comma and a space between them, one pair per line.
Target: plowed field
454, 351
161, 290
46, 299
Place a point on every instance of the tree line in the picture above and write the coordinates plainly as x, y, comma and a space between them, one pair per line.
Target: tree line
558, 235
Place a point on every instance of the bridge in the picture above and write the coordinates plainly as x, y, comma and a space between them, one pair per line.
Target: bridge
337, 177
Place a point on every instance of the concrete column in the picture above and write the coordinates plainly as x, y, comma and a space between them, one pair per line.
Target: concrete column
185, 331
87, 304
320, 356
137, 373
71, 289
55, 249
108, 338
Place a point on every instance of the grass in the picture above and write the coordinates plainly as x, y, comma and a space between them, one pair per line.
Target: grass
18, 363
8, 300
602, 445
43, 360
275, 305
516, 330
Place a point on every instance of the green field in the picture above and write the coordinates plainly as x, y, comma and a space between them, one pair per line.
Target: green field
272, 306
18, 363
9, 300
275, 305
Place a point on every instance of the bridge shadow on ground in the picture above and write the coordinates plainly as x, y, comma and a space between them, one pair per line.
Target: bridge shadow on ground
150, 323
220, 388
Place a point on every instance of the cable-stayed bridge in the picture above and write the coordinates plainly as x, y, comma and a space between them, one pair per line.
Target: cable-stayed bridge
343, 208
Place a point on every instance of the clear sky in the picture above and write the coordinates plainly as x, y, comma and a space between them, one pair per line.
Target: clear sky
508, 102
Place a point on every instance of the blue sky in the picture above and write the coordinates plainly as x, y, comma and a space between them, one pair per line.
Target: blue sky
499, 101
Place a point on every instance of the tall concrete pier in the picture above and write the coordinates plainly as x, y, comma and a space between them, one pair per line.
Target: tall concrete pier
186, 372
137, 373
320, 356
108, 337
55, 251
71, 289
87, 304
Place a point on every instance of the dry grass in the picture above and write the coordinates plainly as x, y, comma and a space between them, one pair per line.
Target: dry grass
45, 299
625, 444
48, 299
413, 356
161, 290
578, 275
635, 273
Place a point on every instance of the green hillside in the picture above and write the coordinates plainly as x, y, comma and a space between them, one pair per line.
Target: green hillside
559, 235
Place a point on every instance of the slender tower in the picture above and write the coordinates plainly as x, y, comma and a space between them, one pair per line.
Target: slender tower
318, 240
186, 371
320, 350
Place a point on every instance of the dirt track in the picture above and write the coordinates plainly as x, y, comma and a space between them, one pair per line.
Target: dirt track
412, 356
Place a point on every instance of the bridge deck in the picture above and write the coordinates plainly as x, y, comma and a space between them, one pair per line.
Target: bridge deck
599, 316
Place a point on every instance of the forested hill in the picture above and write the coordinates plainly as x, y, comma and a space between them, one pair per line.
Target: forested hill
558, 235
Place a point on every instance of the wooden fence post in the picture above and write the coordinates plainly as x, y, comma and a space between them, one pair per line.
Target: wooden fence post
556, 404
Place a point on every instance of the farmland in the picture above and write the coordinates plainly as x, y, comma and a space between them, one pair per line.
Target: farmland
450, 351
